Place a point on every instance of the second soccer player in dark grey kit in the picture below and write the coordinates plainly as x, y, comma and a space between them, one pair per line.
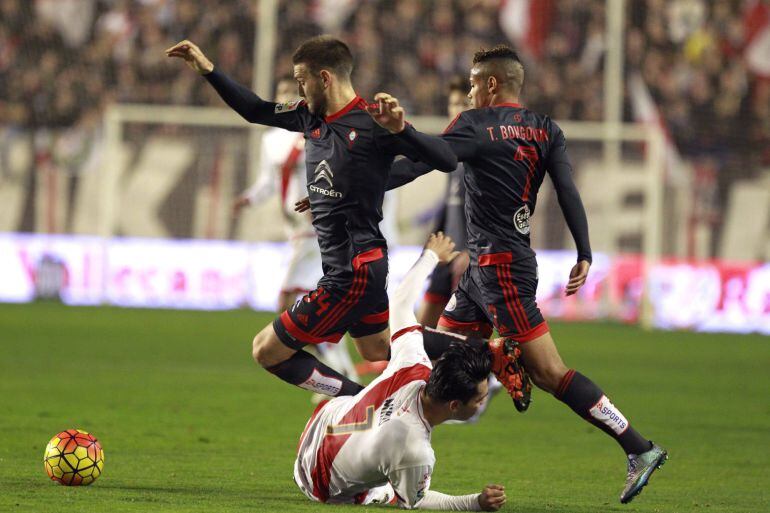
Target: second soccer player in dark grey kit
507, 150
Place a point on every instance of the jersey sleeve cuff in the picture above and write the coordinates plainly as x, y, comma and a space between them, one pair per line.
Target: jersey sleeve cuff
431, 255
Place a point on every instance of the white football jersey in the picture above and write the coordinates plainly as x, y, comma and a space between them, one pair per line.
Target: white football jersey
375, 445
282, 171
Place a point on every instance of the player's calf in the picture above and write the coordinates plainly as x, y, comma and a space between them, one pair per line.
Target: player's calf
543, 363
299, 368
547, 378
586, 399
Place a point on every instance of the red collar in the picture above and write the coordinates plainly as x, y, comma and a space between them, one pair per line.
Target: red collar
507, 104
347, 108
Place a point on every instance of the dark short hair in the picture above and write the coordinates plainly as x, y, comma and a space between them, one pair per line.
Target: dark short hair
497, 52
458, 84
503, 62
457, 374
325, 52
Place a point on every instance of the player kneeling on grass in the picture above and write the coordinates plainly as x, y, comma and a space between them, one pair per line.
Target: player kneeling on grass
374, 447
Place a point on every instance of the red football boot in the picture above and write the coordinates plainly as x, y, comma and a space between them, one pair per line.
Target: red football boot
510, 372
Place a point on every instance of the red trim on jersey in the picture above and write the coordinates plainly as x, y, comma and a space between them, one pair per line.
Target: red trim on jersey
495, 259
508, 299
538, 331
367, 256
435, 299
508, 104
355, 102
404, 331
304, 337
565, 381
349, 301
377, 318
452, 124
529, 154
481, 327
511, 295
289, 164
374, 397
516, 301
309, 422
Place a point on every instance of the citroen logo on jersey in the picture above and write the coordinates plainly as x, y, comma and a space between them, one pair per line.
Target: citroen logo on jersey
323, 173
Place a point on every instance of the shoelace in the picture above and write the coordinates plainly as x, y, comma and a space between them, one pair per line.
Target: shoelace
632, 464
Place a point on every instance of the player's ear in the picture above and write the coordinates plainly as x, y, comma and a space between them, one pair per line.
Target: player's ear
454, 405
492, 84
326, 78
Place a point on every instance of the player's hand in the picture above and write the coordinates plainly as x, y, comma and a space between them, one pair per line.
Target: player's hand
302, 205
387, 113
443, 246
192, 55
492, 497
577, 277
238, 205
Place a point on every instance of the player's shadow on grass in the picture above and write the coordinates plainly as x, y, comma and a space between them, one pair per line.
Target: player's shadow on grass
207, 492
186, 490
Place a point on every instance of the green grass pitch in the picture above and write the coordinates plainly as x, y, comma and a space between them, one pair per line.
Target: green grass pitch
189, 423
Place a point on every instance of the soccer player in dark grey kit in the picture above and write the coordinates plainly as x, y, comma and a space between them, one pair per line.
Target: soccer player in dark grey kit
507, 150
350, 146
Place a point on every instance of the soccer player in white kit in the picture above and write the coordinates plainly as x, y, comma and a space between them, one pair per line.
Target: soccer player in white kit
282, 170
375, 447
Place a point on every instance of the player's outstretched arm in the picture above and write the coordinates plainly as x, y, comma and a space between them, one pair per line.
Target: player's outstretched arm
461, 137
439, 249
412, 486
239, 98
429, 149
491, 498
192, 55
404, 171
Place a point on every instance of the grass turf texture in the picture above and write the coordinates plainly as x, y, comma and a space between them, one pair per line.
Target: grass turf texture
189, 423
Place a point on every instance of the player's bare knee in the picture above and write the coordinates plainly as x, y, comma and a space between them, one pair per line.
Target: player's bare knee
260, 351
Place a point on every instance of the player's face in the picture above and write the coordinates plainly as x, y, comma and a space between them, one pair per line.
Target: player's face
285, 91
311, 88
457, 103
467, 410
479, 94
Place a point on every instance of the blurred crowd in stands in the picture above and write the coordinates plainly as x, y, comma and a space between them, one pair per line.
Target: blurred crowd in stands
62, 61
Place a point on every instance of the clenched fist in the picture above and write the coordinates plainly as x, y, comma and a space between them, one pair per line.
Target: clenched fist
492, 497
